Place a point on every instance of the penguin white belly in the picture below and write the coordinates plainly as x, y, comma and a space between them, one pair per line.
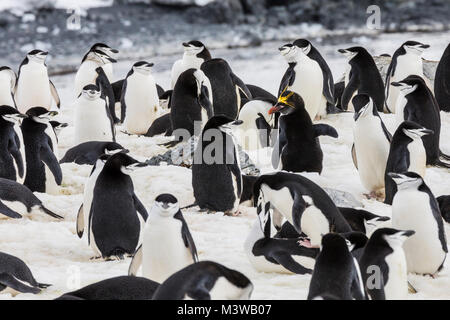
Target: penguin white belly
308, 84
142, 104
164, 252
225, 290
323, 106
33, 88
281, 199
247, 132
417, 157
396, 287
314, 224
423, 250
5, 90
372, 151
86, 74
88, 193
91, 122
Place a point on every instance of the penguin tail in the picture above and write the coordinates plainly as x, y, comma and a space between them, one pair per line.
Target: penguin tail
443, 155
190, 206
43, 285
441, 164
50, 213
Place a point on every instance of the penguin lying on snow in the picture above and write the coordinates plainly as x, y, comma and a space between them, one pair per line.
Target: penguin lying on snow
363, 77
442, 81
216, 171
40, 154
13, 193
384, 251
114, 226
268, 254
421, 107
33, 87
167, 244
88, 152
407, 60
336, 273
195, 53
15, 276
117, 288
205, 280
371, 144
161, 125
12, 160
7, 85
407, 153
297, 148
415, 208
303, 203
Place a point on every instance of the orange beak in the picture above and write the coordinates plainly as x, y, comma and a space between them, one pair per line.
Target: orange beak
275, 108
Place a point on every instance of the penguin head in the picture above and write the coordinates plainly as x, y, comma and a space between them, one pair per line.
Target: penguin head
143, 67
414, 130
104, 48
40, 114
350, 53
363, 105
91, 92
409, 84
166, 205
406, 180
414, 47
334, 243
37, 56
287, 103
123, 163
193, 47
394, 238
375, 223
100, 57
303, 45
58, 126
11, 114
223, 123
289, 52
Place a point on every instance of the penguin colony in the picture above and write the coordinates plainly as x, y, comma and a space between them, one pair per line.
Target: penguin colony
350, 253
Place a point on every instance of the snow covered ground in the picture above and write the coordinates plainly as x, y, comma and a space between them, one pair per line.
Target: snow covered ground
56, 255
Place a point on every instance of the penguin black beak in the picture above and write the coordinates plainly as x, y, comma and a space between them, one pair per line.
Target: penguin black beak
397, 84
342, 51
186, 45
151, 64
112, 60
425, 131
237, 122
408, 233
114, 50
425, 46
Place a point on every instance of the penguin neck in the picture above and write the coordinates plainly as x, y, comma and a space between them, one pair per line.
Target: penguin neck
192, 61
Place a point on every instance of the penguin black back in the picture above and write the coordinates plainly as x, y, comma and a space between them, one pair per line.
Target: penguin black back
442, 81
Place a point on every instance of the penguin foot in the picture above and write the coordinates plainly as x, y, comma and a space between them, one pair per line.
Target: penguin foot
232, 214
95, 258
305, 242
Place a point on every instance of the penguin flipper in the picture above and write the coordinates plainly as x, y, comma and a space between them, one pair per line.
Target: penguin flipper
186, 235
123, 106
140, 207
264, 130
355, 159
80, 222
55, 94
50, 213
289, 263
13, 149
351, 87
298, 207
48, 157
323, 129
136, 262
241, 85
12, 282
328, 87
236, 171
278, 147
8, 212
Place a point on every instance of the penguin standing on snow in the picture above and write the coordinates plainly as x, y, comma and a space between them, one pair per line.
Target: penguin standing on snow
226, 88
39, 153
113, 224
407, 154
140, 101
12, 154
33, 87
7, 85
336, 273
92, 121
442, 81
167, 244
303, 203
385, 251
89, 152
16, 277
297, 148
421, 107
407, 60
328, 98
191, 102
304, 77
415, 208
14, 195
220, 164
195, 53
371, 144
205, 280
269, 254
363, 77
